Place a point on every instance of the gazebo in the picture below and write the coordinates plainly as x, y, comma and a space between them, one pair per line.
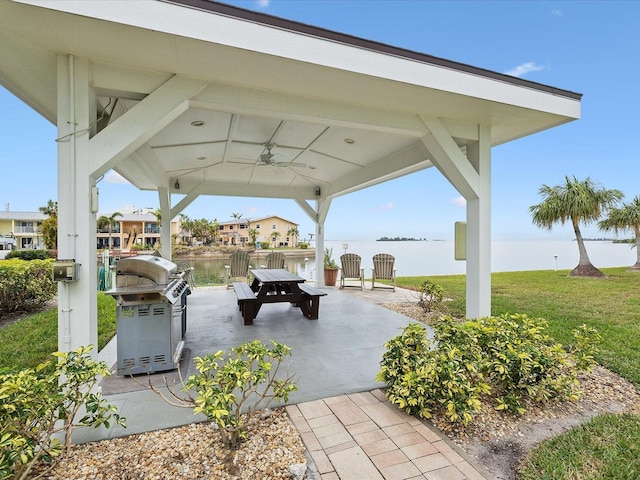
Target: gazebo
193, 97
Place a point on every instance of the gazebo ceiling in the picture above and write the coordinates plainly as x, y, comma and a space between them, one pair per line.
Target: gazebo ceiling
337, 113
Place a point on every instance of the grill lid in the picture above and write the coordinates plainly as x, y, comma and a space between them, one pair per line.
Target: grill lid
157, 269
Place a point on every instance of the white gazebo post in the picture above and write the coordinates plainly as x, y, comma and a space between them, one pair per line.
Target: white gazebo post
77, 300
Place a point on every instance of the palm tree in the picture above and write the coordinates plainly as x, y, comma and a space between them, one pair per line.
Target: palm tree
110, 222
275, 236
577, 201
293, 232
50, 209
236, 217
626, 217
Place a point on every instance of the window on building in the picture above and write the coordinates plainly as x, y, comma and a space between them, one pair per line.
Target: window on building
274, 227
257, 226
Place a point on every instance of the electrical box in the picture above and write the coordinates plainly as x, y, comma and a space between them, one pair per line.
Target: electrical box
65, 271
460, 241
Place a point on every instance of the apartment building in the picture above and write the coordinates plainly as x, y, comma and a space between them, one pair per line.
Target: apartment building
273, 229
21, 230
142, 229
132, 230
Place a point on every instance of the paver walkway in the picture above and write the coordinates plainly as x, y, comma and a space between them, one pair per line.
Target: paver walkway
362, 436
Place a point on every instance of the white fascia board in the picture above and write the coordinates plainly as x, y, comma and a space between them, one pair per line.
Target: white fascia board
251, 36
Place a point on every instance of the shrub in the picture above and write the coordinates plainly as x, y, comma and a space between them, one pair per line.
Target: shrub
230, 388
507, 359
25, 285
430, 296
29, 254
36, 404
420, 379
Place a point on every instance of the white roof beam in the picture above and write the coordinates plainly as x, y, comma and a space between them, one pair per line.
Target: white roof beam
449, 159
287, 107
123, 137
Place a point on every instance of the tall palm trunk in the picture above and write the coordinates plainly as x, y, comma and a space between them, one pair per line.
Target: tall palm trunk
585, 268
637, 265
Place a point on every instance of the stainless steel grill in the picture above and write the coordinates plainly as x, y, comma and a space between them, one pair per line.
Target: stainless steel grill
151, 314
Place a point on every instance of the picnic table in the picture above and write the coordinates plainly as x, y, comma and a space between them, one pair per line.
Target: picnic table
274, 286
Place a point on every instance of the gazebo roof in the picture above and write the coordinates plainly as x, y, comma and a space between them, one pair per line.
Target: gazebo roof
338, 113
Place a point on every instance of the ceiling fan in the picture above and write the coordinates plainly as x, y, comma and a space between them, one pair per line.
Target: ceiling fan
266, 159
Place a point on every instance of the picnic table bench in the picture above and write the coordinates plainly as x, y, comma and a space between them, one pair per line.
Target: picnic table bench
273, 286
247, 301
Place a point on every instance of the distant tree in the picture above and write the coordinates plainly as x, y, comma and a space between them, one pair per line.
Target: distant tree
253, 235
203, 229
626, 217
292, 233
50, 209
575, 201
187, 225
49, 229
274, 237
108, 222
49, 226
215, 230
236, 217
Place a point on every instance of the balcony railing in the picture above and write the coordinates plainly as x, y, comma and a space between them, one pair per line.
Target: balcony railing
26, 229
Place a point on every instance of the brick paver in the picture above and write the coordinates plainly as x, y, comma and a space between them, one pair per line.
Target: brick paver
362, 436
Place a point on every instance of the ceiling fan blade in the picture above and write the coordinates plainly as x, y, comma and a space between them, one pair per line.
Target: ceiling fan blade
290, 164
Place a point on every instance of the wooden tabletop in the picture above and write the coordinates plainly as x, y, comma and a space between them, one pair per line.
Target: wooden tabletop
276, 275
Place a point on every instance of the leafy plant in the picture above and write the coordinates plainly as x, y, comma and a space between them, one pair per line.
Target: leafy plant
25, 285
507, 359
36, 404
421, 379
430, 296
329, 262
231, 387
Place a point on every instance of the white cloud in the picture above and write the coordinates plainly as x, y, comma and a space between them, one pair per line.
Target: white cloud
263, 3
387, 206
556, 12
459, 201
114, 177
525, 68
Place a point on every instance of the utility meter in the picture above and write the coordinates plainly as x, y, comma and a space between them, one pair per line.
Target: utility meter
65, 271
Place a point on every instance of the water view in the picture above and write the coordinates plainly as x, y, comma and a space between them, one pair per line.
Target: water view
436, 257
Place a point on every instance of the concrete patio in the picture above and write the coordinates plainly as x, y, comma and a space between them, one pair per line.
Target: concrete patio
335, 360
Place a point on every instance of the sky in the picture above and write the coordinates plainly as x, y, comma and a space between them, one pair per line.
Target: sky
586, 47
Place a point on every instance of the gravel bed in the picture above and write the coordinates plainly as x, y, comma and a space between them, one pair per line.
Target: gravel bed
191, 452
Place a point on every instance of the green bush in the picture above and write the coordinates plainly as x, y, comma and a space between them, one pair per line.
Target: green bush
29, 254
507, 360
230, 388
25, 285
430, 297
36, 404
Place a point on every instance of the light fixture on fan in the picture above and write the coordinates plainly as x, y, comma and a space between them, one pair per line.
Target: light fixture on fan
177, 184
267, 158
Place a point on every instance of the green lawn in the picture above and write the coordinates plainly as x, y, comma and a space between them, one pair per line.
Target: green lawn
32, 340
606, 448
